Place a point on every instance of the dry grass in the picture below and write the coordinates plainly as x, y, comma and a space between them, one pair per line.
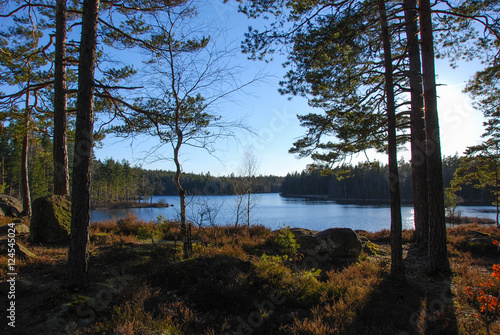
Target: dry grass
384, 236
239, 280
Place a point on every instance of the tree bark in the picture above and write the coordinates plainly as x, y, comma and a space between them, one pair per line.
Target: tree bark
25, 185
61, 175
437, 256
185, 226
80, 195
397, 268
249, 198
418, 149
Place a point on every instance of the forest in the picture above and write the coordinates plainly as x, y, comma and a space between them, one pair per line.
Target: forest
367, 182
114, 181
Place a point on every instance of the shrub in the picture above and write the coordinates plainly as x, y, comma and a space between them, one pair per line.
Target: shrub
108, 226
286, 243
130, 224
301, 288
485, 298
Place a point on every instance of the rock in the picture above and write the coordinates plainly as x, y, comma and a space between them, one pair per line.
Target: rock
21, 251
20, 228
479, 241
51, 219
300, 232
369, 247
476, 234
484, 243
10, 206
337, 245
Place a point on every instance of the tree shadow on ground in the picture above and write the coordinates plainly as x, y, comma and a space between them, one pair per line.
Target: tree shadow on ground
417, 305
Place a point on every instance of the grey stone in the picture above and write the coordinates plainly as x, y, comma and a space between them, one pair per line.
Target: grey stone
300, 232
336, 245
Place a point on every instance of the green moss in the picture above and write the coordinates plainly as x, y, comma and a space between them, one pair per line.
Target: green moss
373, 248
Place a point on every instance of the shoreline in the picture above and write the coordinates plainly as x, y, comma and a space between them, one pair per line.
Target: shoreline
343, 201
129, 205
369, 201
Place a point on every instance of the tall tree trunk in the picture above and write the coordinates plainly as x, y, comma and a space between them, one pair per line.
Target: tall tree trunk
61, 176
2, 177
497, 193
185, 226
25, 185
497, 184
2, 180
397, 268
418, 150
438, 255
80, 195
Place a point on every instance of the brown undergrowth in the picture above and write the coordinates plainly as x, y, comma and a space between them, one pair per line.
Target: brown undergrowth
243, 280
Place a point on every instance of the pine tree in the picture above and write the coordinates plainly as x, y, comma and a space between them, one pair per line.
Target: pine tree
80, 197
22, 62
438, 252
397, 268
418, 140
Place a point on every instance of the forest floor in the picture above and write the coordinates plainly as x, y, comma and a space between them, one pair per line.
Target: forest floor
245, 280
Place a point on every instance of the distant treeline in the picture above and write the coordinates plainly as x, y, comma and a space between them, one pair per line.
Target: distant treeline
115, 181
368, 182
119, 181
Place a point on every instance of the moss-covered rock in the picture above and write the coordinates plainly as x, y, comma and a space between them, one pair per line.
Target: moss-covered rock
10, 206
51, 219
337, 245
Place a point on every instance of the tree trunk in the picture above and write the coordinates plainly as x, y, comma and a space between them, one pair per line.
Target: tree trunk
2, 180
497, 182
25, 185
397, 268
61, 176
438, 256
2, 177
185, 226
80, 195
249, 195
418, 150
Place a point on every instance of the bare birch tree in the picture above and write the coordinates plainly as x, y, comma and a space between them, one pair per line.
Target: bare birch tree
245, 199
190, 75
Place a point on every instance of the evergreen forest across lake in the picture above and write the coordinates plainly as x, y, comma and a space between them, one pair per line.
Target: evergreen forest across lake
115, 182
118, 181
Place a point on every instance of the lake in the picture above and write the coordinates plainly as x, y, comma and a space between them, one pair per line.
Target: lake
275, 212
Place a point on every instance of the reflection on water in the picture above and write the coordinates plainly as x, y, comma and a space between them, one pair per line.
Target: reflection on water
275, 212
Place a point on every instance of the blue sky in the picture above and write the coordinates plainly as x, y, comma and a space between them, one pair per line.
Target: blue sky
273, 117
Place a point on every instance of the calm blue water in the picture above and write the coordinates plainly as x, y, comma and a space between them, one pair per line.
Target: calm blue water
275, 212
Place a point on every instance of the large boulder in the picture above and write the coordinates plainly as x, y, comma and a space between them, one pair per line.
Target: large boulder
479, 242
10, 206
336, 245
51, 219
